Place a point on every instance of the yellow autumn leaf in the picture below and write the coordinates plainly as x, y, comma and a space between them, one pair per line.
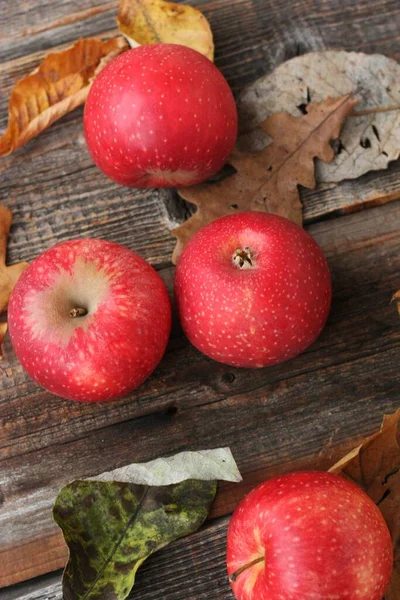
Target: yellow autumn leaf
151, 21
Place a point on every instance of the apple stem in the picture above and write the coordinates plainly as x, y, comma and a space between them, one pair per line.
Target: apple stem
236, 574
77, 312
242, 258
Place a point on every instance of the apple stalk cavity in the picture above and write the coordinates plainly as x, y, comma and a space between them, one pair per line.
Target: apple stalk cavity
242, 258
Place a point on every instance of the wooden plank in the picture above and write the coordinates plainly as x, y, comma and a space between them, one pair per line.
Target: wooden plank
370, 190
250, 37
52, 184
28, 27
273, 419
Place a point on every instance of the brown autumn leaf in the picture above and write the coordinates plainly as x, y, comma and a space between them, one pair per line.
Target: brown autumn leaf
375, 466
268, 180
151, 21
370, 140
8, 275
57, 86
396, 298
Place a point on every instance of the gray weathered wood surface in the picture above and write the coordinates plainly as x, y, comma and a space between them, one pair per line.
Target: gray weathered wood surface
307, 411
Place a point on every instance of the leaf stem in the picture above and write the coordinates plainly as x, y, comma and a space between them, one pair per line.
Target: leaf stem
372, 111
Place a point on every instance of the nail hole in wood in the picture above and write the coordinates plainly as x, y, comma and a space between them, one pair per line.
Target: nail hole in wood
172, 410
228, 377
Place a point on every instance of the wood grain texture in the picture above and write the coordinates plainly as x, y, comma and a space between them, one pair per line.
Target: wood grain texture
275, 419
53, 177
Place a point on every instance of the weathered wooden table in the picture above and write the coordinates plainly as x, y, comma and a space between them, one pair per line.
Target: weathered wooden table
312, 408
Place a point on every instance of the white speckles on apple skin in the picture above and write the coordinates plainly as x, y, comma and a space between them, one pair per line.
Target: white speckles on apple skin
258, 316
112, 349
340, 549
176, 94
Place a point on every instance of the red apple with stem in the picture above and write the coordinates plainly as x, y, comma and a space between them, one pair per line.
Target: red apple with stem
252, 289
89, 320
160, 115
308, 536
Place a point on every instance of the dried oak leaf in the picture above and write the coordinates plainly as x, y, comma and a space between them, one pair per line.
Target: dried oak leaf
369, 140
8, 275
267, 180
151, 21
375, 466
396, 298
57, 86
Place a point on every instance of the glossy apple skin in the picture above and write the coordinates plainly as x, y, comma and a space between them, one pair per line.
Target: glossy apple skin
256, 316
106, 353
160, 115
322, 537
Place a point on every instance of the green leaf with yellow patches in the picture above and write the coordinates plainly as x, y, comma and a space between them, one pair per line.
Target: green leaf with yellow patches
112, 527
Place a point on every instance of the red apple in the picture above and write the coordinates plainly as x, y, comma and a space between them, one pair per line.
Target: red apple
160, 116
308, 536
89, 320
252, 289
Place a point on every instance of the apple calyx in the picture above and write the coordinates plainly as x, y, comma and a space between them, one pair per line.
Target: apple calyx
242, 258
233, 577
79, 311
